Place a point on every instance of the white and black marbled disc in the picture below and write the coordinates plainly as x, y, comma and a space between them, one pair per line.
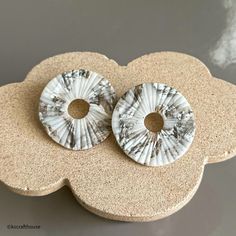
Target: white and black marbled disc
140, 144
77, 134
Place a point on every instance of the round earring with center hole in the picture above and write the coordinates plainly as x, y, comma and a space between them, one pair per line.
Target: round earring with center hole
153, 147
76, 108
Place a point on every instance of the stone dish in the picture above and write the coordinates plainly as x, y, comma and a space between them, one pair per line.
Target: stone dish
103, 179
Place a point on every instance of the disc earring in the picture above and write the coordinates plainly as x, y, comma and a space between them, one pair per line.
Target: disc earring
76, 108
153, 148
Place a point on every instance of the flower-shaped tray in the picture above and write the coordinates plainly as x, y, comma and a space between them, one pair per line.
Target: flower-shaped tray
103, 179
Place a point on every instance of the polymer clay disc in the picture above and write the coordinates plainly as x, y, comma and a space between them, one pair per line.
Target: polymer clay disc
60, 92
142, 145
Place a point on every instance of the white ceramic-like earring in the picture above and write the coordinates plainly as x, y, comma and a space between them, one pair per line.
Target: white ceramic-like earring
139, 143
60, 92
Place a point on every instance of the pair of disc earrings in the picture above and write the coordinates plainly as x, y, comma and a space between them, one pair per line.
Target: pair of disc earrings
88, 124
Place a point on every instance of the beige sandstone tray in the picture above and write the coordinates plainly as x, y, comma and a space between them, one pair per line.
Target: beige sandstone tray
103, 179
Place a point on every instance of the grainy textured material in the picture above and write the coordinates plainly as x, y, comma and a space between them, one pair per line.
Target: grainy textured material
104, 179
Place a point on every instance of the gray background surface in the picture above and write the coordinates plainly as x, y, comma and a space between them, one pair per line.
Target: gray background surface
31, 31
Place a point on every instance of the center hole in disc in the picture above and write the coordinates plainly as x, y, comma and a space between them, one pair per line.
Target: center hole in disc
78, 109
154, 122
